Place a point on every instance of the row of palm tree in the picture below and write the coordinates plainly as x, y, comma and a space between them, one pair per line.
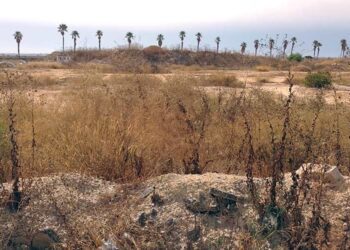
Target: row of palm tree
63, 29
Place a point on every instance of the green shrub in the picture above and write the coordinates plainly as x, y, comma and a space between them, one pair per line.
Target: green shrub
295, 57
318, 80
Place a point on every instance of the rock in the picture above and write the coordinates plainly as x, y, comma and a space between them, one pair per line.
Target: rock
44, 240
331, 173
225, 201
147, 192
194, 234
217, 202
142, 219
154, 213
19, 242
203, 205
108, 245
156, 198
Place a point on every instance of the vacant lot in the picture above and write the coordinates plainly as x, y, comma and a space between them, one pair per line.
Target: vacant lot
122, 127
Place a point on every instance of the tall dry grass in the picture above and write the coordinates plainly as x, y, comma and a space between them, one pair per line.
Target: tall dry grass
138, 126
127, 128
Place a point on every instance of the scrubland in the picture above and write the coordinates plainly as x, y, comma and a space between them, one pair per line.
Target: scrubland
129, 116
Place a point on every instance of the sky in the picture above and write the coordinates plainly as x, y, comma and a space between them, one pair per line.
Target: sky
234, 21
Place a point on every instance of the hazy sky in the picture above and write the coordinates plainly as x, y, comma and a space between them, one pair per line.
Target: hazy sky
234, 21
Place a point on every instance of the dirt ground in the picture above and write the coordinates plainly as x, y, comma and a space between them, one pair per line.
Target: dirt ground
272, 81
90, 211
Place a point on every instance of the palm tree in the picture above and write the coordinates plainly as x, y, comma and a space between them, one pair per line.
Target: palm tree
160, 39
75, 36
271, 45
344, 46
217, 41
182, 36
199, 39
294, 41
243, 47
256, 46
285, 45
99, 35
315, 44
62, 28
319, 45
129, 36
18, 37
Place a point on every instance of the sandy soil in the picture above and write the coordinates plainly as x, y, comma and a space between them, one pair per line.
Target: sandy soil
90, 211
274, 81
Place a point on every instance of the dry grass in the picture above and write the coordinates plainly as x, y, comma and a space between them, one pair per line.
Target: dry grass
138, 126
127, 128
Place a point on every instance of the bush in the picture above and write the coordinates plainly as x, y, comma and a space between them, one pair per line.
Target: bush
219, 80
318, 80
295, 57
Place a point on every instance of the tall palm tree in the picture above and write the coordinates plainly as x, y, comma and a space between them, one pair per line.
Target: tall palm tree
285, 45
75, 36
319, 45
217, 41
160, 39
271, 45
18, 37
294, 41
182, 36
344, 46
129, 36
199, 39
315, 45
99, 35
256, 46
243, 47
62, 28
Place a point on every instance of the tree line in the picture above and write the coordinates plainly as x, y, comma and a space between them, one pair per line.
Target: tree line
63, 29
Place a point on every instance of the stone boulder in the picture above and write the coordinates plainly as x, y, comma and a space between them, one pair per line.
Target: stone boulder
332, 174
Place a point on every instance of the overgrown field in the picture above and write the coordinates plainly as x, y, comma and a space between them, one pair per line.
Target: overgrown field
82, 120
136, 126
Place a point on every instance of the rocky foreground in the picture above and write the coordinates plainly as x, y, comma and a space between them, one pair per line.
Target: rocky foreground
209, 211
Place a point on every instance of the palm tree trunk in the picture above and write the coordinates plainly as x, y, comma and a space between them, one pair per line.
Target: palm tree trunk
99, 43
217, 48
291, 51
318, 53
197, 46
63, 43
182, 44
18, 50
75, 45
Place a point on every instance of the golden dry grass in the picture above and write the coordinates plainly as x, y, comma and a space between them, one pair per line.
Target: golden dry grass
122, 127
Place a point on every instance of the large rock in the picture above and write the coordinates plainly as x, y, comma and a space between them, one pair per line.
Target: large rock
332, 174
45, 239
216, 202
